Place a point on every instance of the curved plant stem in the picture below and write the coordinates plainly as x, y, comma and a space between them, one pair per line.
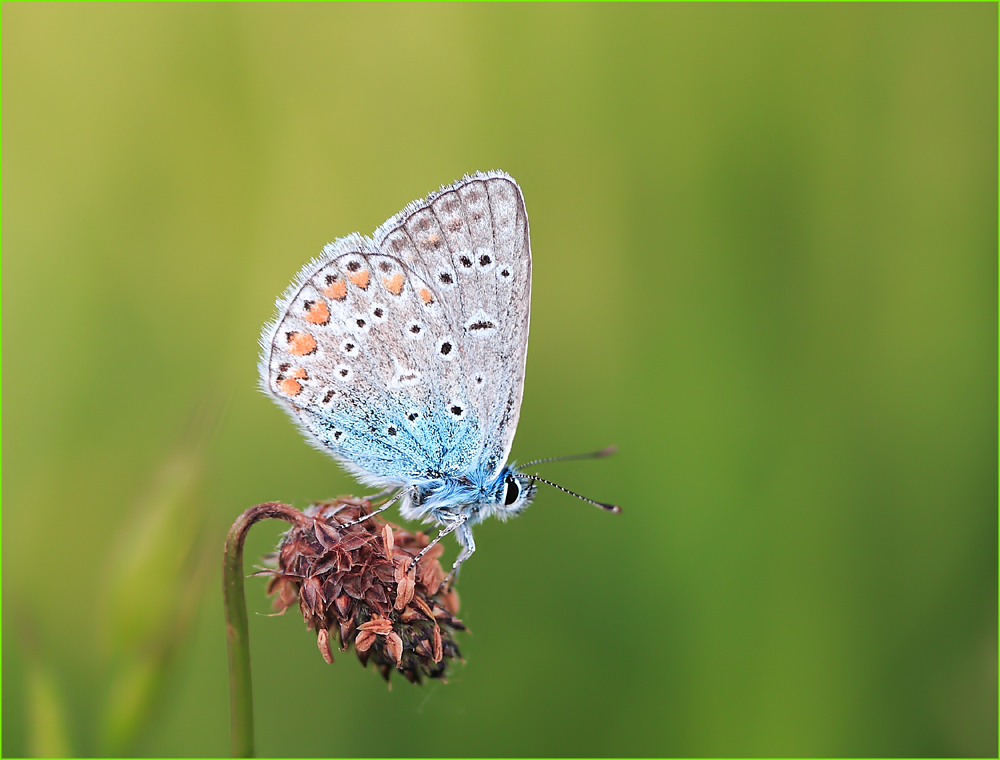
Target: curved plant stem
240, 684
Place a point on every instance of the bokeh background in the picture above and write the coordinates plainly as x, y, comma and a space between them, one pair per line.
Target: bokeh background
765, 242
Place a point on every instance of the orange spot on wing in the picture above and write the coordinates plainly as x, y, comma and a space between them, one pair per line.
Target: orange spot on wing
394, 284
318, 313
290, 387
300, 344
299, 374
426, 296
337, 290
360, 278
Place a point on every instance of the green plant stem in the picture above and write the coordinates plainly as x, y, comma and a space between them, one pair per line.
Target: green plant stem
238, 635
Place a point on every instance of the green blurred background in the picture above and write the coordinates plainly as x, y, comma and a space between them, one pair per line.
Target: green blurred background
765, 242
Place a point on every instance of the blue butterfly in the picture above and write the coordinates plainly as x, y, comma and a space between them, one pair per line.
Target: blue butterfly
403, 356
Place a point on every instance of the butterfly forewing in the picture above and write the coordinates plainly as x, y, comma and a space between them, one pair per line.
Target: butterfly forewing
404, 357
471, 242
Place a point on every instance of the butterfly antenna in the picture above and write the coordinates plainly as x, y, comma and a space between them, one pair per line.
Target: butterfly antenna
592, 455
610, 507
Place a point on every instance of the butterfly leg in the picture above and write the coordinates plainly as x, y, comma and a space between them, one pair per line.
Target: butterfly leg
450, 527
468, 548
371, 514
379, 495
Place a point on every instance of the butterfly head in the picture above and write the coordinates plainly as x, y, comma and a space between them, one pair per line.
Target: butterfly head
513, 493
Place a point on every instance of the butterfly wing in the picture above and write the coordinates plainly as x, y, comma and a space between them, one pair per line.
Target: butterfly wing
375, 361
470, 241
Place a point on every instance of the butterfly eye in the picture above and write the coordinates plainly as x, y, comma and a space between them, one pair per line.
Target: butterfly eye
512, 492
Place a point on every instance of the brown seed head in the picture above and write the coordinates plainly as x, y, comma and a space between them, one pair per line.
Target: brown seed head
404, 591
394, 645
352, 581
323, 642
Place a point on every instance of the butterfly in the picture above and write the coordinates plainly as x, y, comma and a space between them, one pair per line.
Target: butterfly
403, 356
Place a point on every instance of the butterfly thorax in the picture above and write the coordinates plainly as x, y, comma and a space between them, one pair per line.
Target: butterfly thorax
475, 496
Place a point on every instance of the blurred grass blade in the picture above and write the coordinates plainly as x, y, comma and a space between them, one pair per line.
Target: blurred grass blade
134, 688
48, 732
155, 581
148, 573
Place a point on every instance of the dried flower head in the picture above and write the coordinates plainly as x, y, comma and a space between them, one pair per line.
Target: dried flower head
353, 581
